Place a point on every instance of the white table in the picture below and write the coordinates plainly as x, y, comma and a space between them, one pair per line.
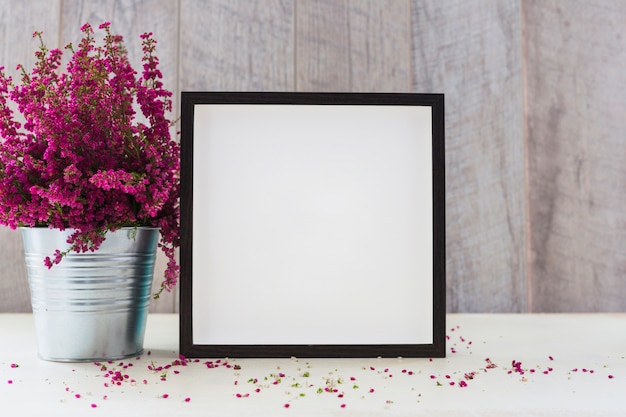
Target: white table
578, 369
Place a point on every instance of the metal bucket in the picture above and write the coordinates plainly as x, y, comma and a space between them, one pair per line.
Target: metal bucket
94, 305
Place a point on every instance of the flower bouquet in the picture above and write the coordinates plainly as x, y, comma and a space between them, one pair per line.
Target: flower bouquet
92, 151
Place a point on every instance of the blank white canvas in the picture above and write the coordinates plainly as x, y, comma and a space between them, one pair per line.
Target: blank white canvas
312, 224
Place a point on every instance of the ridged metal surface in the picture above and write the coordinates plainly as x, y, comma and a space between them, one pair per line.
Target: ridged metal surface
94, 305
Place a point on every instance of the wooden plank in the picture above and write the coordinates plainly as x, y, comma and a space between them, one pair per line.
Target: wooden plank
228, 45
322, 46
380, 45
18, 21
576, 119
471, 52
14, 293
131, 19
353, 45
17, 24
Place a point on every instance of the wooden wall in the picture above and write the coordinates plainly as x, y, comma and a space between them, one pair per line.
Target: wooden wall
576, 138
535, 115
471, 51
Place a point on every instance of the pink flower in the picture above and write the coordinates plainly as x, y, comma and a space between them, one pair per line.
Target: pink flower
94, 152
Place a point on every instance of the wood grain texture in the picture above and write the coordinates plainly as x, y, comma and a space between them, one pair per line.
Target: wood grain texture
380, 45
237, 45
576, 119
556, 104
14, 292
18, 21
471, 52
358, 45
130, 19
322, 46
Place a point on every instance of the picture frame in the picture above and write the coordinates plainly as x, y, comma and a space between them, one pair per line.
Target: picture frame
312, 225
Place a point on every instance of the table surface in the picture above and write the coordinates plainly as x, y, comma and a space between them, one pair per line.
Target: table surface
496, 365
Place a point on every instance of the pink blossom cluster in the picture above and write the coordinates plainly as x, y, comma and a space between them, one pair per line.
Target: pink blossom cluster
94, 151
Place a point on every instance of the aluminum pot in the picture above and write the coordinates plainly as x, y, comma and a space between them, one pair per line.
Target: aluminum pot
91, 306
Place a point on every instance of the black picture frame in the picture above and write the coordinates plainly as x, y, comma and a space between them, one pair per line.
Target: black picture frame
239, 251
